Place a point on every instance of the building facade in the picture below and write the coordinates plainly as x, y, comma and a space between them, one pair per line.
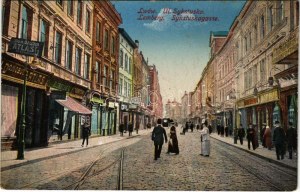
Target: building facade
105, 69
125, 93
57, 86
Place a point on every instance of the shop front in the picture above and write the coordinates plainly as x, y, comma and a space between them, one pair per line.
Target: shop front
96, 104
67, 110
12, 76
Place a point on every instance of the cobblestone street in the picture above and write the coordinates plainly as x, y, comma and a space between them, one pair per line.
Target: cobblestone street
227, 168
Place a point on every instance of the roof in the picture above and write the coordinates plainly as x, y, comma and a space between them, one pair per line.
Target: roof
74, 105
127, 37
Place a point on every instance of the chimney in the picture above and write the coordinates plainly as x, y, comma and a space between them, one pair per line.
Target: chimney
137, 43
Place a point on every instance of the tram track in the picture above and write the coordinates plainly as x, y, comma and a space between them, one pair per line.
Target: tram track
260, 168
81, 174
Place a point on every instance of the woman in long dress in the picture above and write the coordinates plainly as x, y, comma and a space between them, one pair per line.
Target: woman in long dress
173, 142
205, 141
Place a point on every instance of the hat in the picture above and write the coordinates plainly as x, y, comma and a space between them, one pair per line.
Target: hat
267, 127
276, 122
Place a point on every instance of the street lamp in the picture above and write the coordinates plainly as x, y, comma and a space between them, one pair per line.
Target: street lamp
21, 135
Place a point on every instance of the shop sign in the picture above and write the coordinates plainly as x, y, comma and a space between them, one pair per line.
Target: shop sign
136, 100
97, 100
251, 101
286, 49
269, 97
78, 91
17, 72
124, 107
25, 47
111, 104
60, 85
240, 103
132, 106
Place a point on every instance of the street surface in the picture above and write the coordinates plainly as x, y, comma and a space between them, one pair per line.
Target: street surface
129, 165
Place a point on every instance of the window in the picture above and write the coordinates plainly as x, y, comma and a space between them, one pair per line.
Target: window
245, 44
125, 88
86, 66
25, 20
129, 90
250, 40
113, 45
79, 12
255, 34
105, 71
126, 62
59, 2
106, 39
58, 47
262, 70
69, 52
270, 21
78, 61
254, 71
129, 65
5, 16
121, 59
112, 79
262, 27
98, 29
120, 86
70, 8
87, 21
280, 11
98, 74
44, 36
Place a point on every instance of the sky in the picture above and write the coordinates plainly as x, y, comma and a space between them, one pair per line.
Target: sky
179, 49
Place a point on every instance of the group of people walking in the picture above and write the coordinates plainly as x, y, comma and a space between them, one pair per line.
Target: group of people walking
159, 136
278, 138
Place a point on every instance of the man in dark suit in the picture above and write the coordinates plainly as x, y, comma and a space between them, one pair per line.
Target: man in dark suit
278, 140
158, 136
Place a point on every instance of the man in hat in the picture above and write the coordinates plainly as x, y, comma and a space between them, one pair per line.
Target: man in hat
278, 140
205, 142
291, 135
250, 136
158, 136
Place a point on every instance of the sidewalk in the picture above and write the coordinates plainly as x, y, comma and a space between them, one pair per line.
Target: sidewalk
261, 152
8, 158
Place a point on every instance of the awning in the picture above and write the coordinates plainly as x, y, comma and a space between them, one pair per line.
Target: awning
75, 106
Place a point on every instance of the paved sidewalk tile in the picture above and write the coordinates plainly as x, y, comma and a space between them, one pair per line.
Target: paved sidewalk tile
260, 151
8, 158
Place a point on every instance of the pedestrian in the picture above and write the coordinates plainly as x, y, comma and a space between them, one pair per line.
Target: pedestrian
226, 131
250, 136
186, 127
173, 142
148, 125
278, 140
197, 126
205, 141
235, 135
121, 129
268, 137
262, 135
241, 134
137, 127
130, 128
291, 135
222, 130
86, 131
192, 126
219, 129
255, 136
158, 137
210, 128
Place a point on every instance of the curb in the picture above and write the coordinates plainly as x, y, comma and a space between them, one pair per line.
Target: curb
260, 156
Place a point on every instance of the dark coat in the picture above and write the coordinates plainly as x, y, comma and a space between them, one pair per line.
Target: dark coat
85, 131
159, 135
173, 142
291, 136
278, 136
121, 127
241, 132
250, 133
130, 127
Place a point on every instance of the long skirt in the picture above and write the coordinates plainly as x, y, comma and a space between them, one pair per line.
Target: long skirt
205, 147
173, 146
